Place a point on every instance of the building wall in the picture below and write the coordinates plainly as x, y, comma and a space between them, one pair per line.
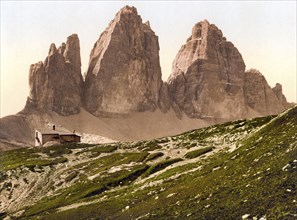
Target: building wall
69, 138
43, 138
77, 139
50, 137
39, 136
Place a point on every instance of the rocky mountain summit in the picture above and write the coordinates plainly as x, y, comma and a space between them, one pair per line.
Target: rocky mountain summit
260, 96
56, 83
209, 80
124, 73
123, 96
278, 91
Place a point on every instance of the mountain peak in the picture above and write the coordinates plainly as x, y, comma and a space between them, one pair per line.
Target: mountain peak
124, 73
127, 14
52, 49
205, 30
209, 74
56, 84
128, 10
72, 51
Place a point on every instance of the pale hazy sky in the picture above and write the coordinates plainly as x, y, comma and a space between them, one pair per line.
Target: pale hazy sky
264, 33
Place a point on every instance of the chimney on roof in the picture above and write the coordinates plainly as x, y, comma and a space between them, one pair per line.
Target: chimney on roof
54, 127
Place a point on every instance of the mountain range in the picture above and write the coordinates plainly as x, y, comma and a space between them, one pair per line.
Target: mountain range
122, 96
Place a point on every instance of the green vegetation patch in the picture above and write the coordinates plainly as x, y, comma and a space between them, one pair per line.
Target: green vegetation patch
161, 165
145, 145
119, 178
104, 148
105, 163
82, 191
162, 140
154, 156
197, 153
31, 156
31, 163
56, 150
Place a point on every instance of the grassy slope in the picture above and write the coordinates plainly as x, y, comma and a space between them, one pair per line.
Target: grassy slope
258, 176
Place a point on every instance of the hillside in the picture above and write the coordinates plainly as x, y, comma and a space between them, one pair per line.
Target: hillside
242, 169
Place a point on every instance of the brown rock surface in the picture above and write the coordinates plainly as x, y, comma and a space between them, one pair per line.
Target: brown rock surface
56, 84
208, 80
278, 91
207, 75
124, 73
259, 96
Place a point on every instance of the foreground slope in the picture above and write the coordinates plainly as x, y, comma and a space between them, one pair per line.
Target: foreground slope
245, 168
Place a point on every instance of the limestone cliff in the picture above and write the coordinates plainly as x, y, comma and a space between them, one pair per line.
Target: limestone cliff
278, 91
260, 97
56, 84
124, 73
207, 75
208, 80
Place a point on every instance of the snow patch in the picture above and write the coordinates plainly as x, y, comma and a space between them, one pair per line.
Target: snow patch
95, 139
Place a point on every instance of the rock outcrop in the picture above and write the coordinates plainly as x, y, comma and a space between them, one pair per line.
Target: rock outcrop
56, 84
207, 75
260, 97
278, 91
124, 73
209, 80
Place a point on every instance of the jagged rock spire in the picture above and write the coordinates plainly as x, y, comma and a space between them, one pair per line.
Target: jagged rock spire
124, 73
207, 75
56, 84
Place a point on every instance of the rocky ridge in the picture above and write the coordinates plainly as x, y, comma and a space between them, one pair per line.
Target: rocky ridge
208, 77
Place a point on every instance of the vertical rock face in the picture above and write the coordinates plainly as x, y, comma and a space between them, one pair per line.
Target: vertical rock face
209, 80
56, 84
207, 75
124, 73
259, 96
278, 91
